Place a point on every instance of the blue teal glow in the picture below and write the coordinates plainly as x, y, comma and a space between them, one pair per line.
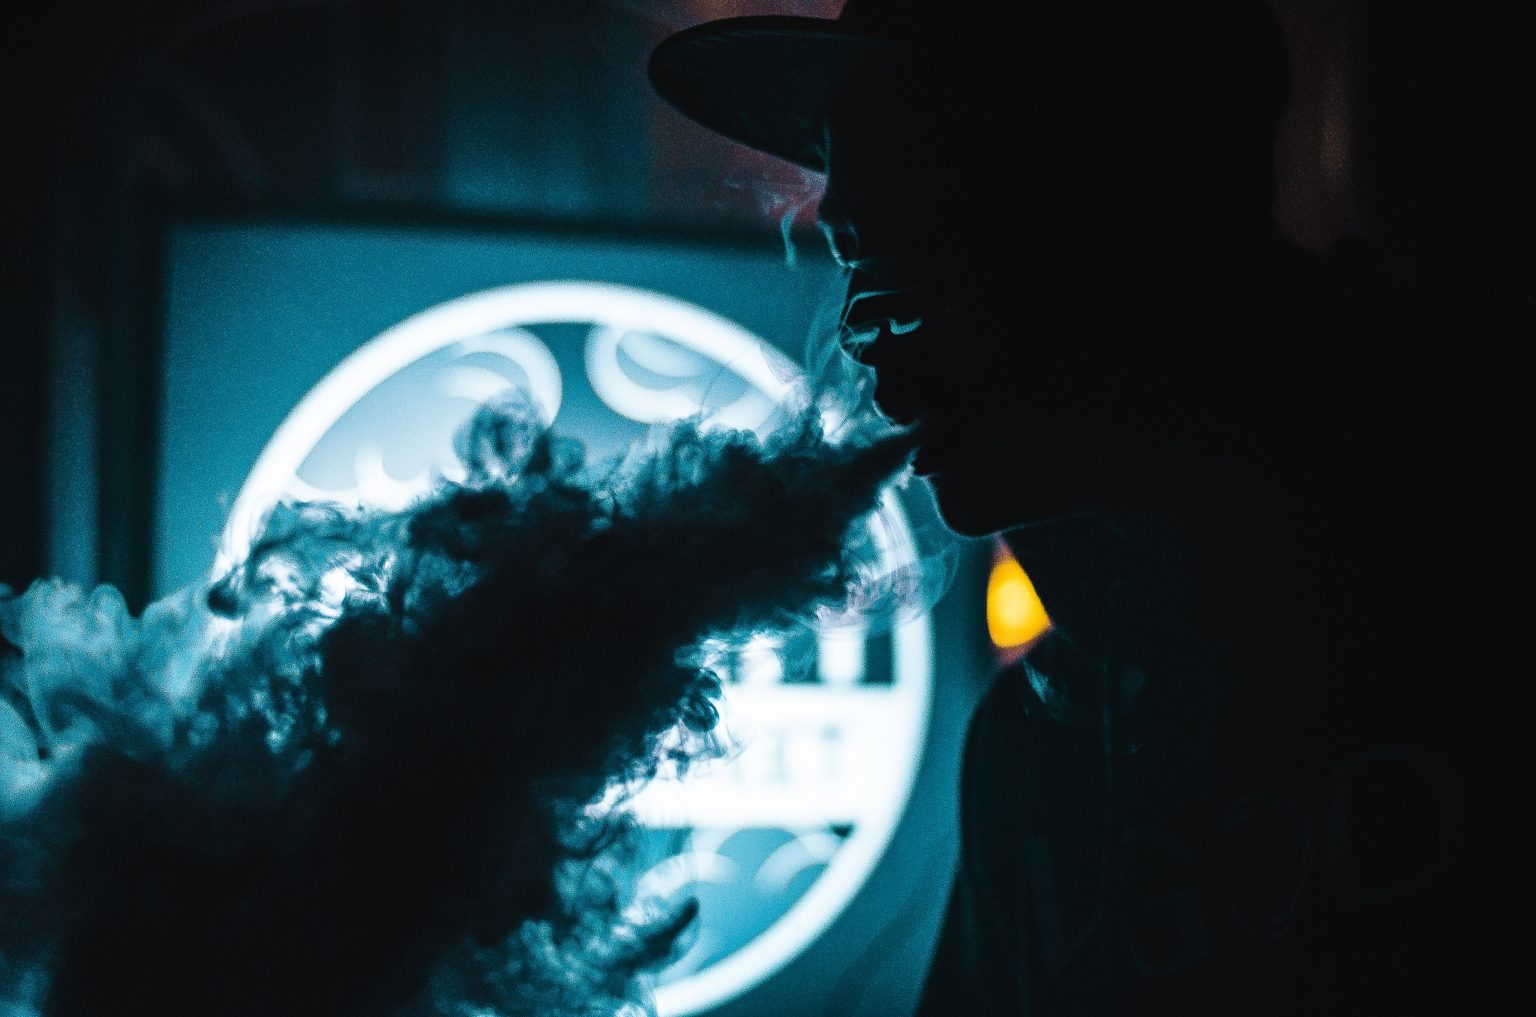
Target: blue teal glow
795, 861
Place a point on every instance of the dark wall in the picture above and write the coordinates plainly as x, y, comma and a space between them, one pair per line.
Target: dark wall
1441, 97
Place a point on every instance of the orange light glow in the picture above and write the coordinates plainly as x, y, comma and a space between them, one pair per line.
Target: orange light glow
1015, 615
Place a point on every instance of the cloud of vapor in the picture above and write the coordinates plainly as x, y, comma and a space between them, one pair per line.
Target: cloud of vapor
378, 769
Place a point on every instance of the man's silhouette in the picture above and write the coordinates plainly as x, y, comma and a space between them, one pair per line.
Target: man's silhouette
1246, 772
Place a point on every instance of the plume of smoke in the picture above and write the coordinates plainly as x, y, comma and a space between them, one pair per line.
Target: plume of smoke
378, 768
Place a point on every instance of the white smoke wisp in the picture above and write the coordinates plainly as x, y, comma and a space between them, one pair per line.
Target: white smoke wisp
843, 389
379, 768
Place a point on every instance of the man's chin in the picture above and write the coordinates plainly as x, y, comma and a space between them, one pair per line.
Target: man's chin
979, 503
971, 509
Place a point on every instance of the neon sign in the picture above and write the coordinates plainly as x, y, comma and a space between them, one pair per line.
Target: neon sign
776, 840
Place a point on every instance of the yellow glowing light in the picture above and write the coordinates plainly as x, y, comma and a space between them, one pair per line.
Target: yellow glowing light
1014, 612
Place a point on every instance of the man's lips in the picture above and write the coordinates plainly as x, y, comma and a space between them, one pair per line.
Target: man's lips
883, 310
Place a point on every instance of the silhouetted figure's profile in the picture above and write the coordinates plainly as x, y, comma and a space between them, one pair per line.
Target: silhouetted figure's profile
1256, 767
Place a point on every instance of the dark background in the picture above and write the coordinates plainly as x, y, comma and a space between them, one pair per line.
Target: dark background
1400, 131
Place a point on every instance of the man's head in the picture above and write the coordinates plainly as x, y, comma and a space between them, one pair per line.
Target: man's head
1019, 209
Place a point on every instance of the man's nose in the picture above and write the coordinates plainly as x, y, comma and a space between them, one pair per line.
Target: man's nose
837, 227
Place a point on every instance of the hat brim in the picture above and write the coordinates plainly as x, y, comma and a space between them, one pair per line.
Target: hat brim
766, 82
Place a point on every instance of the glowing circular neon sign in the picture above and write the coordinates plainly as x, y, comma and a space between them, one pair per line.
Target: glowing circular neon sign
790, 828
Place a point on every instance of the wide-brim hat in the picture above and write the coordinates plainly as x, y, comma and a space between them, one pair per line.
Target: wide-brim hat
768, 82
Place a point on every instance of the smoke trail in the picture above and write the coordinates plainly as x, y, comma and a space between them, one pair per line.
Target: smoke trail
378, 769
844, 388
